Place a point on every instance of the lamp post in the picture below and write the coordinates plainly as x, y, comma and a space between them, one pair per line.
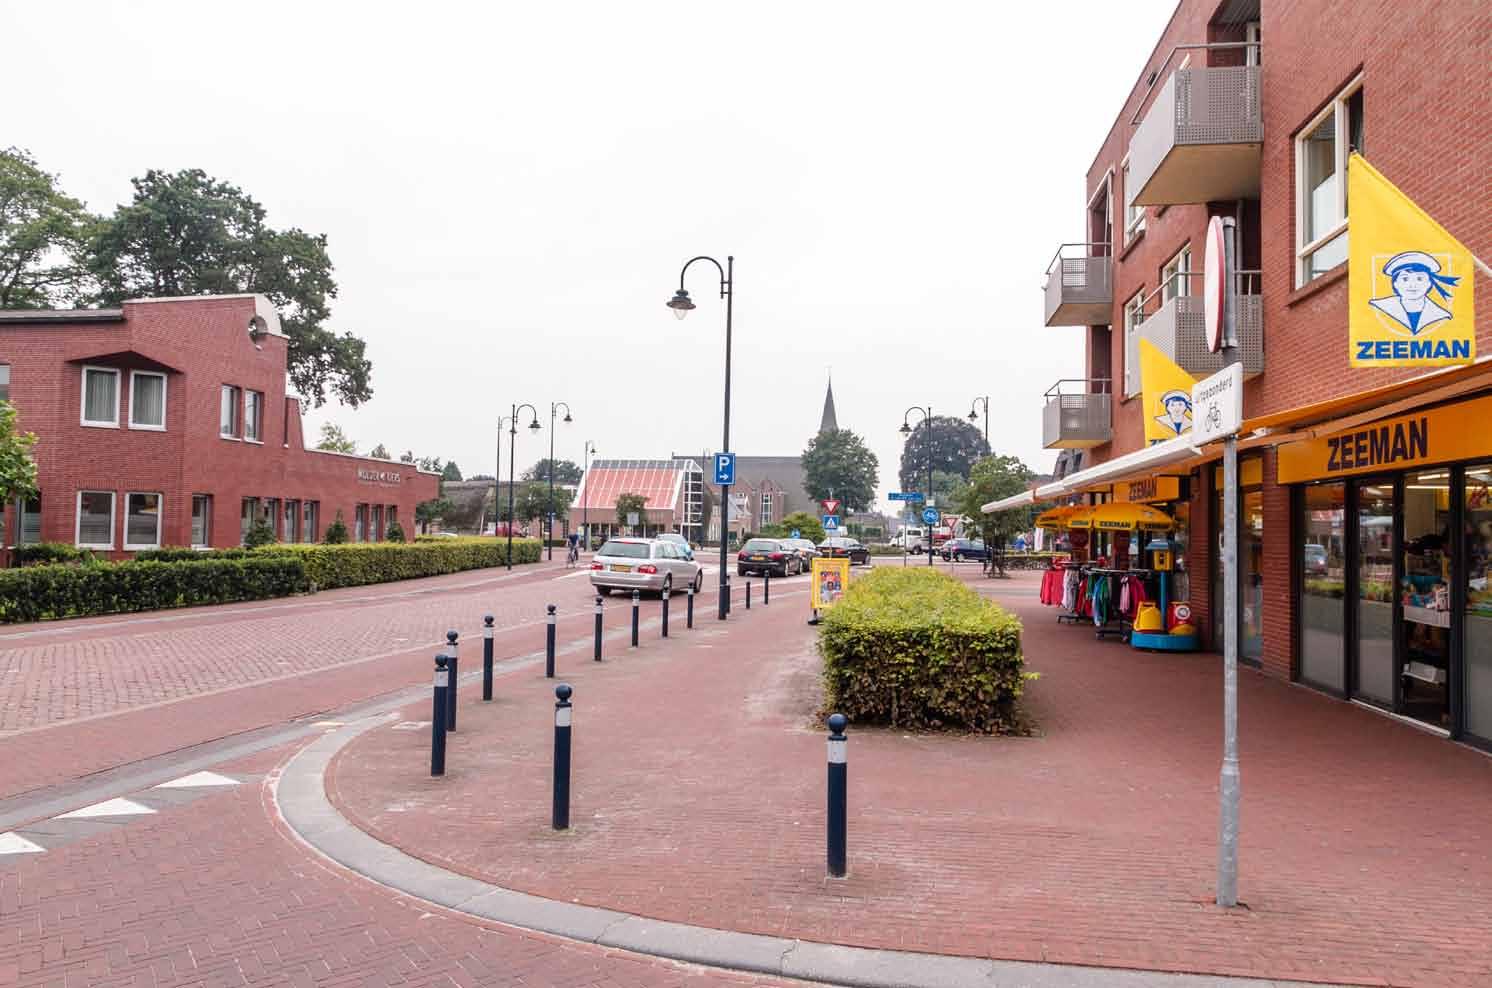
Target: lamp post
974, 418
906, 430
512, 439
585, 514
681, 306
497, 478
549, 528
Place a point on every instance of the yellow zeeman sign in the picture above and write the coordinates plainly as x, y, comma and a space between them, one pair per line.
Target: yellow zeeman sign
1436, 435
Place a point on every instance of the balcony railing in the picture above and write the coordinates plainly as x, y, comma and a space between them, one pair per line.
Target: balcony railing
1178, 329
1077, 414
1200, 140
1079, 287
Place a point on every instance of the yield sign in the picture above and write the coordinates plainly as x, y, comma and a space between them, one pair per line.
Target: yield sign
831, 506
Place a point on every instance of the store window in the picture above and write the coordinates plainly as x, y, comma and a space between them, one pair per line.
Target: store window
100, 397
247, 512
253, 417
1321, 153
1134, 315
95, 527
1477, 643
201, 521
1250, 561
30, 521
142, 521
147, 400
1323, 582
1425, 598
1181, 585
309, 521
1373, 678
228, 405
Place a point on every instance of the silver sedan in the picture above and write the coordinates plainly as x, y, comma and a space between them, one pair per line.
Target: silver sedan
644, 564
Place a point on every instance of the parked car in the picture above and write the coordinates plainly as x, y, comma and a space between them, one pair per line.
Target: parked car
1315, 560
858, 554
681, 543
807, 551
643, 564
768, 556
960, 549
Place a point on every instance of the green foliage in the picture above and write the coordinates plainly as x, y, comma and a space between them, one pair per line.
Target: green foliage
808, 526
334, 440
380, 452
260, 533
915, 648
46, 553
953, 443
42, 238
839, 464
451, 471
17, 468
427, 511
565, 471
39, 593
336, 533
628, 503
395, 532
993, 478
358, 564
177, 553
189, 234
531, 500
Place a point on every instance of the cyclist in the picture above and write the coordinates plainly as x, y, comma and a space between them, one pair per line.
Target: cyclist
573, 555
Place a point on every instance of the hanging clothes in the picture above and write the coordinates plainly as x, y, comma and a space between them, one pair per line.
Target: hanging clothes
1102, 588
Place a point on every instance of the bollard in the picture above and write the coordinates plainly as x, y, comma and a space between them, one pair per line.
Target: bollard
549, 643
453, 651
689, 612
665, 612
635, 598
767, 587
562, 715
487, 657
438, 718
598, 627
748, 595
837, 795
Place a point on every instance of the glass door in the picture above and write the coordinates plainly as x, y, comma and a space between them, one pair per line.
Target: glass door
1373, 678
1425, 598
1476, 695
1323, 578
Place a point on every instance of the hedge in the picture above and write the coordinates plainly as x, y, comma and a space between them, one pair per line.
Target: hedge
43, 553
915, 648
356, 564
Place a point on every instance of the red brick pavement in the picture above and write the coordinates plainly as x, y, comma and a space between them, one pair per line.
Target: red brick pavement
215, 894
699, 794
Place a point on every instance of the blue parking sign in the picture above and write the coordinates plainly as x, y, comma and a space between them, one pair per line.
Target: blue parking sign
930, 516
725, 469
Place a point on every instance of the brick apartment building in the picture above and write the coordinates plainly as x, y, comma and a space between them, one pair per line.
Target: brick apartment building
166, 422
1368, 583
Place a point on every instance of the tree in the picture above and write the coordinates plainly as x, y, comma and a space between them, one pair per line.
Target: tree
336, 532
431, 464
17, 468
565, 471
955, 445
395, 532
807, 525
334, 440
261, 532
993, 478
43, 236
408, 456
626, 504
186, 233
427, 511
838, 464
481, 476
380, 452
451, 471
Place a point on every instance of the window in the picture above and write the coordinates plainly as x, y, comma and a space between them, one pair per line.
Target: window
253, 416
101, 397
1134, 216
95, 520
1321, 153
147, 400
292, 515
1134, 315
201, 521
359, 516
376, 535
393, 515
308, 529
228, 412
30, 512
142, 521
272, 515
4, 382
246, 514
1174, 277
766, 508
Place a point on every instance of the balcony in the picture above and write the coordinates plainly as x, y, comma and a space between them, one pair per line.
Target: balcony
1200, 139
1179, 331
1079, 291
1077, 414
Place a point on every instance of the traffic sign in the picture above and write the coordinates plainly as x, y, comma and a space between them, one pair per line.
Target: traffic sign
831, 506
831, 522
725, 469
1217, 405
930, 516
905, 496
796, 534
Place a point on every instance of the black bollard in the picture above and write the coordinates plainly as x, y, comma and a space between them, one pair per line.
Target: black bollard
838, 810
689, 613
562, 715
748, 595
598, 627
636, 598
665, 612
549, 643
487, 657
452, 649
767, 587
728, 591
438, 718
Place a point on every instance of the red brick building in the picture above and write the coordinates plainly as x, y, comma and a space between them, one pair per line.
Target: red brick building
167, 422
1365, 583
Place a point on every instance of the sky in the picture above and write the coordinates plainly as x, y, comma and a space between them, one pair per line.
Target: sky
510, 190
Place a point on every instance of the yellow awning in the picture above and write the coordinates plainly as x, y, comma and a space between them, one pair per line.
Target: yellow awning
1446, 382
1122, 516
1056, 518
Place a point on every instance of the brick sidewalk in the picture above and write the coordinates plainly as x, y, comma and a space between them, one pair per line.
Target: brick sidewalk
699, 798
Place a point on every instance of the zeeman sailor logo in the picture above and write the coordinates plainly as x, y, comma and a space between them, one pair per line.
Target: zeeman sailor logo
1409, 307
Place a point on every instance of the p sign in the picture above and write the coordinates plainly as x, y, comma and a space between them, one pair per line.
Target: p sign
725, 469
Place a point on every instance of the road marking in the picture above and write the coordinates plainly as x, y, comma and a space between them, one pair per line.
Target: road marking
109, 807
14, 843
196, 780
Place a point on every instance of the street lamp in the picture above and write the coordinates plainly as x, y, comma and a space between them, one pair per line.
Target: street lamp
906, 430
549, 529
497, 478
682, 306
512, 438
585, 513
973, 418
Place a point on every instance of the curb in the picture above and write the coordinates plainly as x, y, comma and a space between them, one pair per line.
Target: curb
299, 792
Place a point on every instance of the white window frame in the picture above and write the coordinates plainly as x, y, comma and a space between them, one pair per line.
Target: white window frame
148, 427
258, 439
1133, 226
1336, 109
766, 508
206, 521
1172, 287
78, 520
83, 418
1133, 317
235, 427
5, 384
160, 516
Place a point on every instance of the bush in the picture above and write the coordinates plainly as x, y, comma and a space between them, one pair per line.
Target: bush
260, 533
395, 532
358, 564
46, 553
47, 592
336, 532
181, 553
916, 648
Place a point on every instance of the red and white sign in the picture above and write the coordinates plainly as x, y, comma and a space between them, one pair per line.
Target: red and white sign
1214, 283
831, 506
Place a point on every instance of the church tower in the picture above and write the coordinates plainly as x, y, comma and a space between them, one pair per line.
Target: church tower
829, 423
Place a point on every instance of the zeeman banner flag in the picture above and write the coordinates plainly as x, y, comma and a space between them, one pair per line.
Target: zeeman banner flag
1409, 282
1165, 393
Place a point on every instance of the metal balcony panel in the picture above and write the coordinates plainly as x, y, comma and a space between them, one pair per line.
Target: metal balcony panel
1179, 331
1076, 421
1200, 140
1079, 292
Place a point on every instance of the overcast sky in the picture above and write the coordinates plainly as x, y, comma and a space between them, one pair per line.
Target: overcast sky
509, 191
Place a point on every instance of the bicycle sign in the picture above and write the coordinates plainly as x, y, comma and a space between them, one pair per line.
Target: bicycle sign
1217, 405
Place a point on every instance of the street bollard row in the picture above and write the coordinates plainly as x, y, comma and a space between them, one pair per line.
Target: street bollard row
487, 657
452, 651
549, 642
636, 599
665, 612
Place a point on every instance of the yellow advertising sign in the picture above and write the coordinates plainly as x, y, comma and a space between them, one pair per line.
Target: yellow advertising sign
1165, 395
831, 577
1409, 282
1149, 490
1250, 473
1437, 435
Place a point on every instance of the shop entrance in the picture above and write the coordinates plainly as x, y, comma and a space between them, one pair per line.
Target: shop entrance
1425, 598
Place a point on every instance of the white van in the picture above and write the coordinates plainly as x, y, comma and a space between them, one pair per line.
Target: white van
911, 539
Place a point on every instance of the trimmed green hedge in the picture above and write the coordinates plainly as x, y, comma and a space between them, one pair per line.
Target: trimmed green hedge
356, 564
45, 553
181, 553
916, 648
39, 593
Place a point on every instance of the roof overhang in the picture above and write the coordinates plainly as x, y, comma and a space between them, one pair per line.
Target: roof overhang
137, 360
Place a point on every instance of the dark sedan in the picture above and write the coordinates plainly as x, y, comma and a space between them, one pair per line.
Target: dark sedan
858, 554
768, 556
957, 550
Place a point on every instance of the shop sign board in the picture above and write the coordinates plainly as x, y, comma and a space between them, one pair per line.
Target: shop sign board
1435, 435
1217, 405
1149, 490
830, 578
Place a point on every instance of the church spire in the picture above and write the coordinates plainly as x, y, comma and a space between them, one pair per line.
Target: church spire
829, 423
